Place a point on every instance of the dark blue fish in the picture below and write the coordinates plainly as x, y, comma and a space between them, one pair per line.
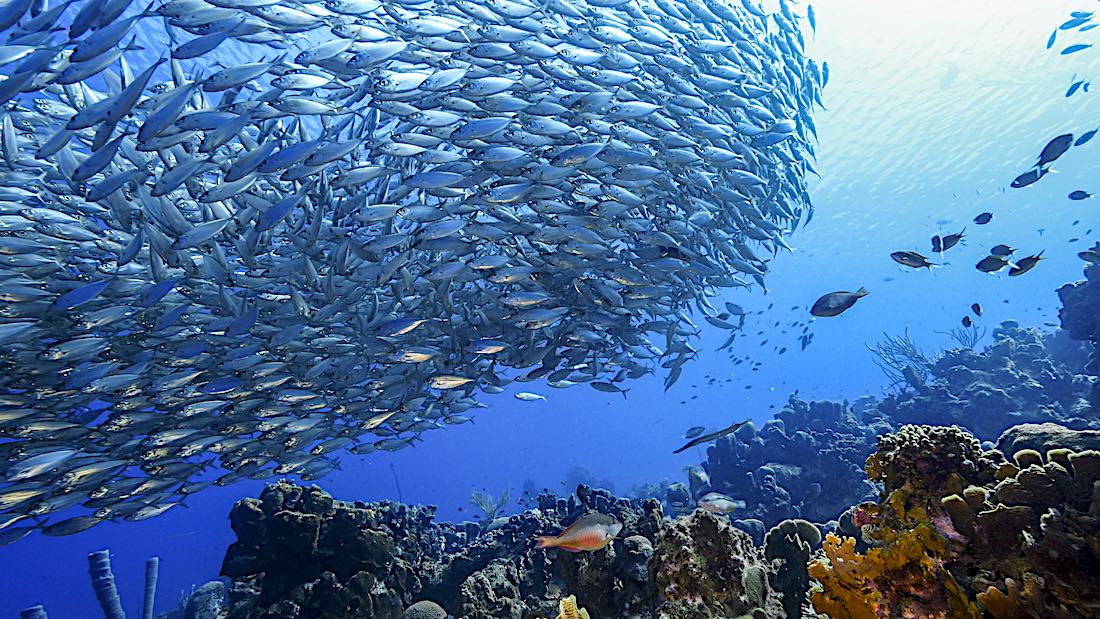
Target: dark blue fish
1080, 195
1073, 49
80, 296
156, 292
1088, 27
1074, 87
1029, 177
983, 219
1054, 149
1085, 137
1050, 41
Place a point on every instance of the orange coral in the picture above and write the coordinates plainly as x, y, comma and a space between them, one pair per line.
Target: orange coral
904, 578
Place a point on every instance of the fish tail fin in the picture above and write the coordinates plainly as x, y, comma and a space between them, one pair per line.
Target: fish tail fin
548, 541
862, 292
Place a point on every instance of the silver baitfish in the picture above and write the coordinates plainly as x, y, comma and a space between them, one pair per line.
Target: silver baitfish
370, 214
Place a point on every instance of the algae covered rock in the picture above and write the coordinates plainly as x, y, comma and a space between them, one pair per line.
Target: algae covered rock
703, 568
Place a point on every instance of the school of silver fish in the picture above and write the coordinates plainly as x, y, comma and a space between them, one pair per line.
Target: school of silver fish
312, 227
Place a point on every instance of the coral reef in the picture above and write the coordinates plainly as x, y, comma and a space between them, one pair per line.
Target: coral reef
299, 553
203, 602
959, 531
1014, 380
425, 609
806, 463
1080, 318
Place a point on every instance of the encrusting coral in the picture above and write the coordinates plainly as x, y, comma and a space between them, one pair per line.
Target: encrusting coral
959, 531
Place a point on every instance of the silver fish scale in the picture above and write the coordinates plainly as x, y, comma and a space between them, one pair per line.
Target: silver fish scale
386, 210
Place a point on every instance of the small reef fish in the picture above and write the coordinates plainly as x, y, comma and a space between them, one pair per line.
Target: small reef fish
992, 264
951, 240
1002, 250
1023, 265
967, 322
718, 503
976, 308
1054, 149
1028, 178
836, 303
712, 436
983, 219
1080, 195
588, 533
693, 431
1092, 256
911, 259
527, 396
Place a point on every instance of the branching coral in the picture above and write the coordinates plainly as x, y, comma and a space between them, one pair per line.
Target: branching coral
490, 506
966, 337
898, 355
906, 578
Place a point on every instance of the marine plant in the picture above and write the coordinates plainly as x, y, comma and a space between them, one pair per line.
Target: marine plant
966, 337
897, 355
490, 506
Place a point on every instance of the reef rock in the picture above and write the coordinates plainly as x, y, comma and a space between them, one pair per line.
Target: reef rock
705, 568
806, 463
1043, 437
301, 554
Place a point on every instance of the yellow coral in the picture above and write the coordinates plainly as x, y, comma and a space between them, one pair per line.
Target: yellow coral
568, 609
855, 586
